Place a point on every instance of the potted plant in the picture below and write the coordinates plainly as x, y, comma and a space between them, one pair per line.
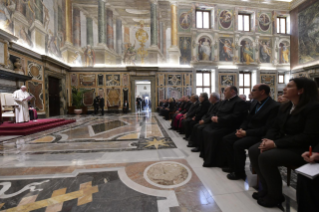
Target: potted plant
77, 98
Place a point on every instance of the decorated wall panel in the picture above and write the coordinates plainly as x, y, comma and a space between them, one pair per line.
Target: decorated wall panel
224, 80
226, 48
173, 85
264, 22
184, 20
185, 44
265, 50
225, 19
114, 88
271, 81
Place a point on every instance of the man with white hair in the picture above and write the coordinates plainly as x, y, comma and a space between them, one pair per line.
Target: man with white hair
196, 135
21, 98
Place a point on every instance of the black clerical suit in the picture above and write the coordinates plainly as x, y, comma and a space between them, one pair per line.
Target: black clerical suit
198, 128
189, 115
175, 120
230, 115
292, 135
102, 105
170, 107
307, 192
180, 106
259, 120
96, 103
200, 112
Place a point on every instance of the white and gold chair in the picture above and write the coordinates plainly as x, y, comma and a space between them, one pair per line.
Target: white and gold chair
7, 106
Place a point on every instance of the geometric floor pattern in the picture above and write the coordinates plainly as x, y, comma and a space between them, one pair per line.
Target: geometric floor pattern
116, 163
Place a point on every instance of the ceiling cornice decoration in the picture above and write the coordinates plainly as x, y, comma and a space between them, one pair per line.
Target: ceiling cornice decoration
138, 12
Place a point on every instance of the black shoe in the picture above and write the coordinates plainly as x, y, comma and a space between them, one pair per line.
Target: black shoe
227, 170
259, 194
185, 138
270, 202
190, 145
196, 149
233, 176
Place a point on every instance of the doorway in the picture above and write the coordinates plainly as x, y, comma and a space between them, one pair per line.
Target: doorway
143, 96
151, 82
54, 97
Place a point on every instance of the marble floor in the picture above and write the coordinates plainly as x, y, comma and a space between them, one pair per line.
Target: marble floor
117, 163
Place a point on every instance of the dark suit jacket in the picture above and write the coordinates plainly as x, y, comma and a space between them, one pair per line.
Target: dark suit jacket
258, 124
296, 131
231, 113
192, 110
213, 108
102, 102
187, 105
202, 110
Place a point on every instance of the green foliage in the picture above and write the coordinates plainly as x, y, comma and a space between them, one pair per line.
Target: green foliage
77, 98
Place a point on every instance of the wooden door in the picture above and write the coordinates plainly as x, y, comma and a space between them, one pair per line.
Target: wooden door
54, 98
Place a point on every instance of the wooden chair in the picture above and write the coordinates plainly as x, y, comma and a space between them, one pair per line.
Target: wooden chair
7, 106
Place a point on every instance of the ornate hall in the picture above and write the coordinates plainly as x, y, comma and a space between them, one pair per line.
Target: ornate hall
159, 105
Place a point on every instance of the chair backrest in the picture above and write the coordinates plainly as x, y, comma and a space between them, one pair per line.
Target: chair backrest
7, 101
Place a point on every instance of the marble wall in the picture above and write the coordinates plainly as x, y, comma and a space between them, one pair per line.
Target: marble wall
111, 85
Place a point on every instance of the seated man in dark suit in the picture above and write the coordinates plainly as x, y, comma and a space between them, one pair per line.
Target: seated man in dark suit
244, 97
183, 108
189, 114
206, 119
200, 112
231, 113
262, 114
170, 108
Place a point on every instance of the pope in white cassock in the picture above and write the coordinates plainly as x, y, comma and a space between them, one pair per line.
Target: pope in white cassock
21, 98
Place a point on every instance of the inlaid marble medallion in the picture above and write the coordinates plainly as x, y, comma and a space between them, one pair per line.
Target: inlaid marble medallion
167, 174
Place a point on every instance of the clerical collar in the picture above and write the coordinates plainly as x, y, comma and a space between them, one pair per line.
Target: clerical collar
263, 101
292, 108
232, 98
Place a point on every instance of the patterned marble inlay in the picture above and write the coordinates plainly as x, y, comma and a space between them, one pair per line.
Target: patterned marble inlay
167, 174
46, 139
98, 128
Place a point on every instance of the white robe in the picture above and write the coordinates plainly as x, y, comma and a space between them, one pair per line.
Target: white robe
22, 111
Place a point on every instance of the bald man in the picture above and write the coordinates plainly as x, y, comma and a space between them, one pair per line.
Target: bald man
21, 98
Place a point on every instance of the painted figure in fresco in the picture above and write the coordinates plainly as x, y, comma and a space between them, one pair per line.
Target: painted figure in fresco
204, 49
227, 51
6, 11
265, 51
32, 6
46, 19
77, 59
185, 20
284, 53
130, 54
185, 44
246, 53
89, 55
264, 22
53, 46
225, 19
25, 38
